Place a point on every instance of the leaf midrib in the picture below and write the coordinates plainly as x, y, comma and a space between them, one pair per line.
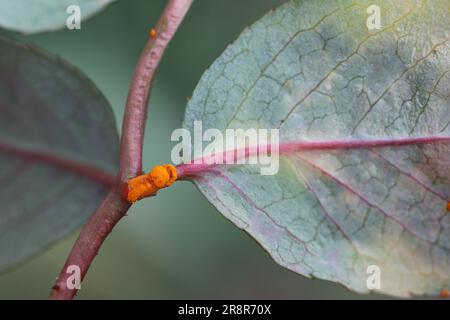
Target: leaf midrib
92, 172
197, 166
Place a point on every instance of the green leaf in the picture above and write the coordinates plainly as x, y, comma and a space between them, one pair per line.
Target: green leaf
364, 117
32, 16
58, 150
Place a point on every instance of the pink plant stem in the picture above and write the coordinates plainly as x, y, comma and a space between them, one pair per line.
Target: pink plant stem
113, 207
136, 107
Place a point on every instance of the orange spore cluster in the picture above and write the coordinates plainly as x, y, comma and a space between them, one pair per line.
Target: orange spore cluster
153, 33
148, 184
445, 293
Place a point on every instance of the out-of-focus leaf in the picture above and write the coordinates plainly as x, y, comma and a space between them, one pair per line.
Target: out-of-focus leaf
313, 69
58, 150
32, 16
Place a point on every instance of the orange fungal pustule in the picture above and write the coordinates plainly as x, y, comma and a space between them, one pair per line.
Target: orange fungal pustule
153, 33
146, 185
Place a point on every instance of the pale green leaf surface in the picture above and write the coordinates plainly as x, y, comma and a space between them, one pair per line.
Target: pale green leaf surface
314, 70
32, 16
50, 115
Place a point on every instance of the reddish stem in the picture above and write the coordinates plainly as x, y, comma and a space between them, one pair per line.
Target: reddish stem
136, 108
89, 242
114, 207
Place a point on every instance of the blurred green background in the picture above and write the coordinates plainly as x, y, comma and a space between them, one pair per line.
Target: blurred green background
176, 245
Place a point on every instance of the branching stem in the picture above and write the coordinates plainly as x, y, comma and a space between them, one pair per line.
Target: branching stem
113, 208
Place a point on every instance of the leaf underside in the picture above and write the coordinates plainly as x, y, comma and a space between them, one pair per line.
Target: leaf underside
32, 16
315, 71
58, 146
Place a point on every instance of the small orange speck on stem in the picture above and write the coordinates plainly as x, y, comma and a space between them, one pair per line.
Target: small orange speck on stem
448, 206
153, 33
445, 293
148, 184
